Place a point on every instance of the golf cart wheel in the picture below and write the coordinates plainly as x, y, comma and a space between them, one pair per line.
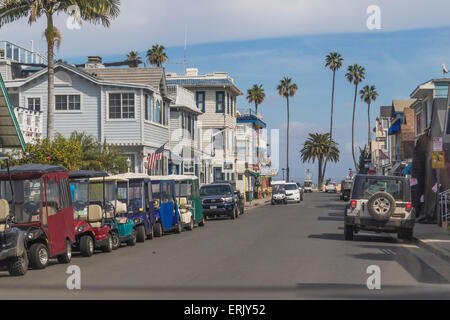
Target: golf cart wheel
202, 222
348, 232
38, 255
381, 206
191, 225
109, 246
86, 246
66, 256
179, 227
140, 237
18, 266
157, 230
132, 241
150, 234
405, 234
115, 241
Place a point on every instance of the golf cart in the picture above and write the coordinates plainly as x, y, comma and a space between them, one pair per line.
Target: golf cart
36, 217
140, 209
346, 189
91, 232
114, 202
165, 205
278, 194
187, 192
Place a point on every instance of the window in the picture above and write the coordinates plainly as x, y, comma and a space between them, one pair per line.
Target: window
218, 138
52, 194
165, 195
67, 102
419, 123
166, 113
64, 191
121, 106
148, 107
200, 100
34, 104
157, 117
220, 102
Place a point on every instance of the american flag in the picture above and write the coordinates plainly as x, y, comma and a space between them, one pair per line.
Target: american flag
152, 157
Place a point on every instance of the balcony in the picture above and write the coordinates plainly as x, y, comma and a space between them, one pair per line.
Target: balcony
30, 122
15, 53
182, 97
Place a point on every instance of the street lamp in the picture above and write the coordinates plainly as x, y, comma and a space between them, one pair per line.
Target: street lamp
128, 164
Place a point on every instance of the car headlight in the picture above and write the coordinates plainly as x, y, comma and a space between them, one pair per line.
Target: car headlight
81, 228
229, 200
137, 220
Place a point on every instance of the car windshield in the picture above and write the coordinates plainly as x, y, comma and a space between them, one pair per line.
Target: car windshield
136, 195
80, 198
27, 196
371, 186
308, 183
278, 188
122, 191
214, 190
347, 185
291, 187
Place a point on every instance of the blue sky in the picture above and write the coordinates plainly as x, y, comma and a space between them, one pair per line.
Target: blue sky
275, 39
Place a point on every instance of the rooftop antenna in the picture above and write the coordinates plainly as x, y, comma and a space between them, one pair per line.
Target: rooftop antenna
444, 69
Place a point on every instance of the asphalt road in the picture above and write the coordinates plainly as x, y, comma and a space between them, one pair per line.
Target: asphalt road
293, 251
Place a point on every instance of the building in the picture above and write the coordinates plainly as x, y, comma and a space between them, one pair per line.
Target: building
127, 108
381, 155
215, 96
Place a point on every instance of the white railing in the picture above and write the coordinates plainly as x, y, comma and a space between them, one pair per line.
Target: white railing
30, 122
182, 96
20, 54
444, 203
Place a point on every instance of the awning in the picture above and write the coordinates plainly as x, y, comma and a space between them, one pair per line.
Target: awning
407, 170
251, 173
396, 127
10, 134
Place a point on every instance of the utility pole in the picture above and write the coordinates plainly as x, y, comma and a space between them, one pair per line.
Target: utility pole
283, 169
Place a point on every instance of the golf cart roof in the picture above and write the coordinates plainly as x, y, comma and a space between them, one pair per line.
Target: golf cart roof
161, 178
181, 177
115, 178
278, 182
82, 174
132, 175
32, 169
369, 176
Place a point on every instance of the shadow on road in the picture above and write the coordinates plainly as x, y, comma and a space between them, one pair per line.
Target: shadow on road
340, 219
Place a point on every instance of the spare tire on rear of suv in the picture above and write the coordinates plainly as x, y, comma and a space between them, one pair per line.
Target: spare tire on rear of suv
381, 206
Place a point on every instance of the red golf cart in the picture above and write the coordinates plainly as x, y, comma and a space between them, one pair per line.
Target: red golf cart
39, 216
91, 232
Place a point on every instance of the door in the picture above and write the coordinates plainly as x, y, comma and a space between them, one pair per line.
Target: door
166, 208
196, 201
55, 220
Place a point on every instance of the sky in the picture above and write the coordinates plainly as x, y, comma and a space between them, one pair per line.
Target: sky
263, 43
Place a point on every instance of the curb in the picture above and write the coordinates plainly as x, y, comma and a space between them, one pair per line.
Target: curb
438, 252
257, 205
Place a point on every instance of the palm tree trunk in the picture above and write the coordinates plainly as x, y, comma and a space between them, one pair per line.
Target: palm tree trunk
51, 79
257, 131
287, 141
320, 177
331, 125
368, 136
353, 130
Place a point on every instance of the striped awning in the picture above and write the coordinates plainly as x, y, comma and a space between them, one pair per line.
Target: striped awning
10, 133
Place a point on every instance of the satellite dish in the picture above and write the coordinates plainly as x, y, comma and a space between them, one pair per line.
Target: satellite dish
444, 69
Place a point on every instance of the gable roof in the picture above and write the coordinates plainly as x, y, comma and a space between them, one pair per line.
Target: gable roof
400, 105
386, 111
153, 77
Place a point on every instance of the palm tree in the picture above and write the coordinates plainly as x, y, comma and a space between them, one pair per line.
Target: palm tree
134, 59
156, 55
320, 147
368, 95
287, 89
333, 61
355, 74
256, 95
93, 11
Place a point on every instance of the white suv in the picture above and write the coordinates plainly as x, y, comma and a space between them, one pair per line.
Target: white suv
292, 192
331, 187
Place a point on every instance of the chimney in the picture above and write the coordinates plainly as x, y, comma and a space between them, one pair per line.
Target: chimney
94, 62
191, 72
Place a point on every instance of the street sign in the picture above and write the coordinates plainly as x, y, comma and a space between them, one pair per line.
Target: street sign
437, 144
438, 160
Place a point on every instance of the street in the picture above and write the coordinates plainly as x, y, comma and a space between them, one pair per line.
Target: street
293, 251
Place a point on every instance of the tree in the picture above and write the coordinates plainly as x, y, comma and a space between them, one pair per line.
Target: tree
364, 154
256, 95
355, 74
287, 89
333, 61
93, 11
368, 95
134, 59
318, 147
156, 55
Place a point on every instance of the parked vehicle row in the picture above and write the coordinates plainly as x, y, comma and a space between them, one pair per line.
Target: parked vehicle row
46, 212
283, 192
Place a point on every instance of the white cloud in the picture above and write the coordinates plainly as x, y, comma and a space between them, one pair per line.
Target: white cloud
142, 22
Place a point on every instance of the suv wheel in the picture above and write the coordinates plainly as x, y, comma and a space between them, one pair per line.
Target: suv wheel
405, 234
86, 246
348, 232
381, 206
233, 214
18, 266
66, 256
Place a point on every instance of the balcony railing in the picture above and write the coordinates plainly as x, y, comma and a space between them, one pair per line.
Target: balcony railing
182, 96
20, 54
30, 122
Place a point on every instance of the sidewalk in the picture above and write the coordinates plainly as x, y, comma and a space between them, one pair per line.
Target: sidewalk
257, 203
434, 239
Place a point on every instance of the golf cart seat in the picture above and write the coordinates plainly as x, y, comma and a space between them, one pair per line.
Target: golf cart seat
121, 207
95, 216
4, 212
183, 205
121, 220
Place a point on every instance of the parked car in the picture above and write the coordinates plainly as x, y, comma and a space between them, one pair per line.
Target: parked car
292, 192
219, 199
380, 204
331, 187
278, 194
346, 189
36, 217
91, 232
308, 186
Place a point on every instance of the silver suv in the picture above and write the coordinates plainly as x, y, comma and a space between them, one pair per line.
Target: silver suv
380, 204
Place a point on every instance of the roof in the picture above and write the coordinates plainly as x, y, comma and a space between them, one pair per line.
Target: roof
380, 177
153, 77
108, 179
80, 174
10, 133
132, 175
386, 111
203, 81
180, 177
250, 118
34, 168
428, 85
400, 105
